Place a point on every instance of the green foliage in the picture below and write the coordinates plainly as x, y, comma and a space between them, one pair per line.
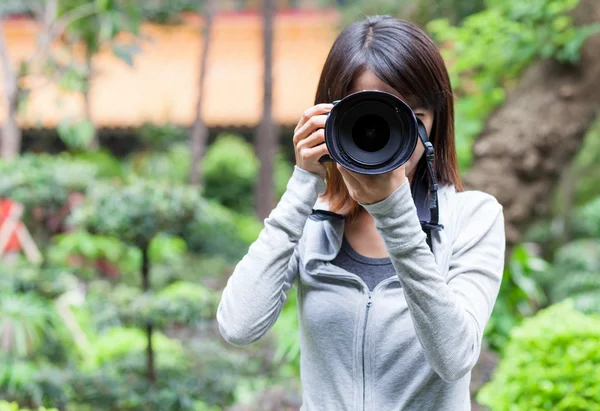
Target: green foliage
181, 303
419, 12
230, 170
207, 377
76, 134
283, 172
90, 255
185, 303
47, 282
106, 165
31, 383
27, 323
13, 406
43, 180
551, 362
170, 165
489, 50
118, 343
168, 12
137, 212
102, 21
221, 231
162, 137
575, 274
519, 296
586, 169
587, 219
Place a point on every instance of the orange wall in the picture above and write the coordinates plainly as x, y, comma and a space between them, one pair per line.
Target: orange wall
162, 86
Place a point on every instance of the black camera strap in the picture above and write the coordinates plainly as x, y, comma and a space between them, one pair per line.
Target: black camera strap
429, 190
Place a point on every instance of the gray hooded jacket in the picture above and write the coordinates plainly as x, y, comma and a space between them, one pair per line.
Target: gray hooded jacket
409, 344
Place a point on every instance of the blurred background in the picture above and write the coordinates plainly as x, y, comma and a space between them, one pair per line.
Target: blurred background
143, 144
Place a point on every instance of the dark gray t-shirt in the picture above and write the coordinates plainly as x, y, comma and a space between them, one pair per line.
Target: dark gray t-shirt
371, 270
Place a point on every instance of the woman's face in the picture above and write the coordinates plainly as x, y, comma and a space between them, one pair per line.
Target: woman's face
369, 81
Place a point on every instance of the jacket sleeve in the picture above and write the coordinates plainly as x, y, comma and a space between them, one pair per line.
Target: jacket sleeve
256, 290
449, 314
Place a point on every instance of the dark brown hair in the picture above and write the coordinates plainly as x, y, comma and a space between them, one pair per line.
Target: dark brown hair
404, 57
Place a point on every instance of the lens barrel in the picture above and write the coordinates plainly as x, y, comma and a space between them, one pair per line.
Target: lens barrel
370, 132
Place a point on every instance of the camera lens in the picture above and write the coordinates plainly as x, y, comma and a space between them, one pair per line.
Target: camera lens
370, 133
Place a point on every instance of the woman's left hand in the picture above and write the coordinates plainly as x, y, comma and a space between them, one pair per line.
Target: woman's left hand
367, 189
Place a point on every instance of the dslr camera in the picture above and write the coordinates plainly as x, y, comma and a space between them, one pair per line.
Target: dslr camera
372, 132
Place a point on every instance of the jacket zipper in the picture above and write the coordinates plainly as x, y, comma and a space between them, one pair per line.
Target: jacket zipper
369, 303
355, 278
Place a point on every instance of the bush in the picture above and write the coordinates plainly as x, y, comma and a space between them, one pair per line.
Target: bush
48, 281
13, 406
219, 231
575, 274
31, 383
172, 164
231, 170
119, 343
552, 362
27, 324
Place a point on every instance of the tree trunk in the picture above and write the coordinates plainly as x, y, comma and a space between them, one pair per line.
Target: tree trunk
146, 287
94, 142
266, 138
11, 133
199, 129
533, 137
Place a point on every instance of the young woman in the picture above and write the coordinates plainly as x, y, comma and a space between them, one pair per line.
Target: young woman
386, 321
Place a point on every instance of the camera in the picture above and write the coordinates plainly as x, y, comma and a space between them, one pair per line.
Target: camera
371, 132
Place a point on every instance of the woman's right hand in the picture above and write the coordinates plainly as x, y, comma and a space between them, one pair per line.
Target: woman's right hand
309, 139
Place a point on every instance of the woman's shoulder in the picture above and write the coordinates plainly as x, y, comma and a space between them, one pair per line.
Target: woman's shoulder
471, 211
468, 202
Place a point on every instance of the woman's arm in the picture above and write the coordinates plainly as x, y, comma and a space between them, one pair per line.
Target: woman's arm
255, 292
449, 314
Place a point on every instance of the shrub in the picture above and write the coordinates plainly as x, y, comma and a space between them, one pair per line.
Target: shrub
230, 170
575, 274
552, 362
13, 406
218, 231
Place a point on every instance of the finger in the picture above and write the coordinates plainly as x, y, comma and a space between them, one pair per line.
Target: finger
312, 111
309, 127
315, 152
314, 139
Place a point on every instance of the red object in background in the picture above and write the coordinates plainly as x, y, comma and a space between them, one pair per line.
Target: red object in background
13, 243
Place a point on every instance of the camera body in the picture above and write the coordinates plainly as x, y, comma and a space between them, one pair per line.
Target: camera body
371, 132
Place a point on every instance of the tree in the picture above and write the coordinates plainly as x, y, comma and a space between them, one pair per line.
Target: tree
532, 138
136, 214
51, 26
199, 129
266, 137
11, 133
75, 20
109, 19
420, 11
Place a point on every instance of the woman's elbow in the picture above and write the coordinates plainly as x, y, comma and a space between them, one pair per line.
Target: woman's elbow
234, 338
234, 334
452, 375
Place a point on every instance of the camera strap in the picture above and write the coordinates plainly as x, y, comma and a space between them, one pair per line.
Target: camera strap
425, 190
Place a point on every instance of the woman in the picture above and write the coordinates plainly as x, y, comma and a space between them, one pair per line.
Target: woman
386, 322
